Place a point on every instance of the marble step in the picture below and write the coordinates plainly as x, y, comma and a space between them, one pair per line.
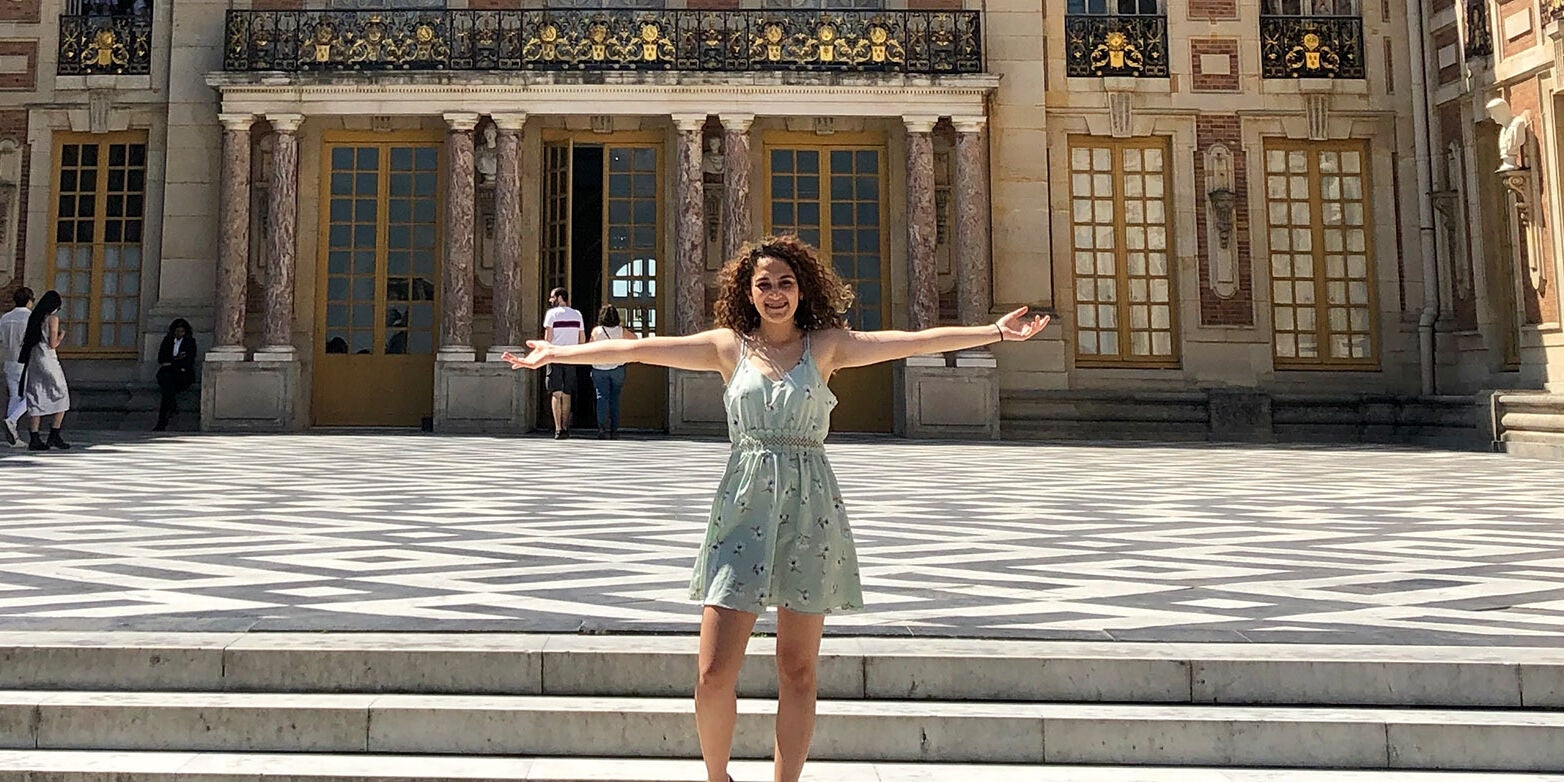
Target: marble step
850, 668
899, 731
70, 766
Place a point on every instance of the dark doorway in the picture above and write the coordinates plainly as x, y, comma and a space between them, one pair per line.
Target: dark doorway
586, 263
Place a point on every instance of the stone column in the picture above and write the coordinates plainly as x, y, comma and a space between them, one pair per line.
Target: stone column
974, 273
922, 287
735, 182
277, 337
233, 238
460, 208
507, 235
690, 261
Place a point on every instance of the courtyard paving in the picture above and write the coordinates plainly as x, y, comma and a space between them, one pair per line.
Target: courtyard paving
1133, 542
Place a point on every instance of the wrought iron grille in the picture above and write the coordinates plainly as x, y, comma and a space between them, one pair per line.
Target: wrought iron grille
1311, 47
1479, 37
105, 45
618, 39
1126, 45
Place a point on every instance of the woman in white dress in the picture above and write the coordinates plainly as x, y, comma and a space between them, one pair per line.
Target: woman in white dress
43, 381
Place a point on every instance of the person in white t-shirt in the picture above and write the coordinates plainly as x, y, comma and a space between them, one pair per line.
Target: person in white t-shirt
13, 327
609, 379
562, 325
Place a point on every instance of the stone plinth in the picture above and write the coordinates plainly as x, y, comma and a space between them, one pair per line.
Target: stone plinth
937, 399
485, 397
250, 396
695, 403
1241, 415
1529, 424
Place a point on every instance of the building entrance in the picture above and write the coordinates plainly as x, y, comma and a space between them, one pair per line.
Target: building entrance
832, 197
377, 310
603, 240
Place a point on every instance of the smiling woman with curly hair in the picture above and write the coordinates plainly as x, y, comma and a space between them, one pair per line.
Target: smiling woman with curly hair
778, 534
823, 297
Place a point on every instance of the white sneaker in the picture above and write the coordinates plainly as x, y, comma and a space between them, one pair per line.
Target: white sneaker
10, 432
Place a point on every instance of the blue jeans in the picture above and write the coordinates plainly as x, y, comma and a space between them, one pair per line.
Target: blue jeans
609, 383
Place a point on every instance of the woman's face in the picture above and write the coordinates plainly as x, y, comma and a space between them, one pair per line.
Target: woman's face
179, 332
773, 289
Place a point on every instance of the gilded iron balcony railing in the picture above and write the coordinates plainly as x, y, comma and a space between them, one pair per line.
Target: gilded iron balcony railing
1124, 45
101, 44
1311, 47
1479, 37
605, 40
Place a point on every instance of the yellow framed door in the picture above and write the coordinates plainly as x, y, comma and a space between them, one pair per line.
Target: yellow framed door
378, 300
632, 242
833, 197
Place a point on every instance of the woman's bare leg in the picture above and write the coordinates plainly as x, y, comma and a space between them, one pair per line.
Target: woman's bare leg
724, 636
798, 656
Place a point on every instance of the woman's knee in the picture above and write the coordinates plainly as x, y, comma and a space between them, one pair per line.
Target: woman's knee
718, 673
796, 674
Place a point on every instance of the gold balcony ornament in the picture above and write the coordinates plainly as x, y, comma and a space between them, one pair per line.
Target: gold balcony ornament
1117, 53
105, 50
426, 45
371, 46
771, 42
545, 46
321, 43
597, 36
652, 42
826, 40
1312, 56
879, 47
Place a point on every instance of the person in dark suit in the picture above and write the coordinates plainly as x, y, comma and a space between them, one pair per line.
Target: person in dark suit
176, 368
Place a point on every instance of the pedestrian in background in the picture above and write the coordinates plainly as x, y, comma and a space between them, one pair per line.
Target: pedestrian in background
608, 380
13, 329
43, 380
175, 368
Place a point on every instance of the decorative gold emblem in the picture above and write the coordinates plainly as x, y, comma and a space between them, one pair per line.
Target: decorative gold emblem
1312, 56
102, 52
771, 39
826, 35
650, 37
1117, 53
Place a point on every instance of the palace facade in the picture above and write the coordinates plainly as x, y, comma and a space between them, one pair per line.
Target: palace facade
1272, 220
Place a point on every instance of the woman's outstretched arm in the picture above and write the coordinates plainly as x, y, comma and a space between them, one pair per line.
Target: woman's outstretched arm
861, 348
711, 351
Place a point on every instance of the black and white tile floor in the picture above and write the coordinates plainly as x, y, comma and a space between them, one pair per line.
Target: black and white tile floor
1070, 541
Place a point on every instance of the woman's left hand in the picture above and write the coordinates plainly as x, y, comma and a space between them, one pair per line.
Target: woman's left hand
1016, 327
541, 353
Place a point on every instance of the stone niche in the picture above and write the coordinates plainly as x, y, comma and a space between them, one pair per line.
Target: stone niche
249, 396
938, 398
483, 397
695, 403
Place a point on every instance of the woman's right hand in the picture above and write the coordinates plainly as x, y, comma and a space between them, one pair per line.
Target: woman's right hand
541, 353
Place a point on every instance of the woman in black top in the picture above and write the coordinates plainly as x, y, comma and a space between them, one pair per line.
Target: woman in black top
176, 367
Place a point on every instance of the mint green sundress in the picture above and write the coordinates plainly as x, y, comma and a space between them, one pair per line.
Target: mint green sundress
778, 533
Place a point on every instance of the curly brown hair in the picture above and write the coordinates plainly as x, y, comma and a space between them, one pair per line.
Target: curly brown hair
823, 298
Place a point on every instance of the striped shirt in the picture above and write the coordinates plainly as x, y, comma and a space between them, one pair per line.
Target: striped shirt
567, 324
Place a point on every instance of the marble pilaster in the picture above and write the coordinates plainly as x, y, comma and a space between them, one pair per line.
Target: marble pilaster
690, 228
460, 215
974, 272
233, 239
507, 233
922, 285
277, 334
735, 183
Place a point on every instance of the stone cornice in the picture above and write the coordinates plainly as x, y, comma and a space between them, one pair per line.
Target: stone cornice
637, 94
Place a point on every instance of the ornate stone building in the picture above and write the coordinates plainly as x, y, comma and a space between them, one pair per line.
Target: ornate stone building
1256, 220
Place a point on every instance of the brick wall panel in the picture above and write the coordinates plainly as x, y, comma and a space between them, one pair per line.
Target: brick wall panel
1239, 309
1203, 49
20, 10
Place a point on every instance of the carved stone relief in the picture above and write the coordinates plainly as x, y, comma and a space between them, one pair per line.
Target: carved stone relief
1221, 197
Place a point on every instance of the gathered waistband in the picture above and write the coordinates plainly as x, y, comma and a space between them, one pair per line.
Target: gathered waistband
777, 441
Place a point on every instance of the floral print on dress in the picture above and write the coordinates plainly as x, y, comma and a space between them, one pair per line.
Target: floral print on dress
756, 554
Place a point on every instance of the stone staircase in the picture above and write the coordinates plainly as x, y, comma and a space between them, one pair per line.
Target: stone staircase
139, 707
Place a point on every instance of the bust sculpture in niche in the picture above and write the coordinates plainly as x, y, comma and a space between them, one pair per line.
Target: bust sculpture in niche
488, 158
1513, 134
